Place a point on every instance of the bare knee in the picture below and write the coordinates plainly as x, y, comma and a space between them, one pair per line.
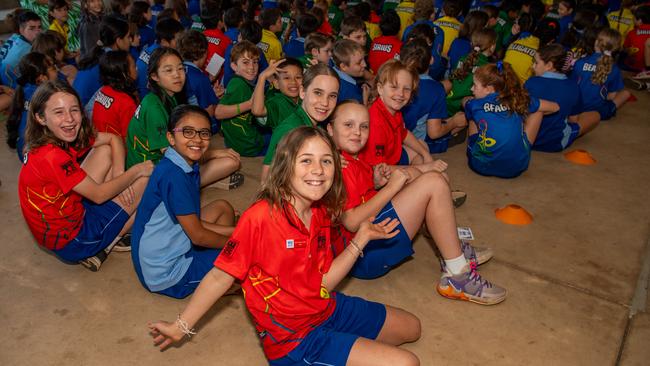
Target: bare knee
434, 181
407, 358
414, 329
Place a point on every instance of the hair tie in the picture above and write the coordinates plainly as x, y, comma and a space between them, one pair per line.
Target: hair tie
607, 53
499, 66
552, 25
477, 49
100, 43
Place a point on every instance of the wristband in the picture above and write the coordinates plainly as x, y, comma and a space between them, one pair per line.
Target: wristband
238, 110
356, 246
184, 327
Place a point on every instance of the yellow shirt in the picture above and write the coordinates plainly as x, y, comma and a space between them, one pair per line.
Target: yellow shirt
450, 27
61, 29
521, 55
270, 45
373, 30
623, 24
405, 10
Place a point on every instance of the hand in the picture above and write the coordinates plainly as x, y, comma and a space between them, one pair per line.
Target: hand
459, 120
219, 90
6, 90
164, 334
127, 197
272, 69
399, 177
368, 231
515, 29
145, 168
426, 157
439, 166
380, 175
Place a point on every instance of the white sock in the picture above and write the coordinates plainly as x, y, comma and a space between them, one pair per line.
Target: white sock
456, 265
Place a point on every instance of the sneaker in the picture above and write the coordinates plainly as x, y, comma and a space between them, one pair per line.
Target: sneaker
477, 255
235, 180
123, 245
470, 286
458, 138
642, 75
636, 84
458, 198
93, 263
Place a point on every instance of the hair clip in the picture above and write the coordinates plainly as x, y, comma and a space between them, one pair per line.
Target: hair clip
477, 49
500, 66
607, 53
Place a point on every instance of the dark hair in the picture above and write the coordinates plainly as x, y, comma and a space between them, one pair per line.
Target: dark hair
474, 21
364, 11
57, 4
571, 4
416, 55
526, 23
317, 70
582, 20
642, 13
251, 31
138, 10
290, 61
270, 16
276, 190
179, 112
166, 29
547, 31
167, 13
555, 54
352, 24
37, 135
114, 72
30, 68
154, 63
26, 16
119, 6
211, 15
307, 24
179, 6
389, 23
491, 10
423, 9
452, 8
537, 9
233, 17
482, 40
423, 31
48, 43
110, 30
192, 45
317, 40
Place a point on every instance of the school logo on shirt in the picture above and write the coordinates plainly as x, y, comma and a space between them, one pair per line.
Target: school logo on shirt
104, 99
382, 47
290, 243
264, 46
589, 67
144, 57
69, 168
298, 244
214, 40
523, 49
229, 248
379, 150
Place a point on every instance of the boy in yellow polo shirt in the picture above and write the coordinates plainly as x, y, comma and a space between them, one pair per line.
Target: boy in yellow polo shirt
271, 21
449, 23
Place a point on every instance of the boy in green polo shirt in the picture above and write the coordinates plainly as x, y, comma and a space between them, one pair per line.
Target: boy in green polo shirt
318, 49
240, 131
285, 76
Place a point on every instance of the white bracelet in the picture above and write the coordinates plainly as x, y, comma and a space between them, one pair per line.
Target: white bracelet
184, 327
356, 246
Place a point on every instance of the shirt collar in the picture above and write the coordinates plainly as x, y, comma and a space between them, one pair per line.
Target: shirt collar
524, 34
425, 76
393, 120
191, 64
179, 161
554, 75
345, 76
304, 117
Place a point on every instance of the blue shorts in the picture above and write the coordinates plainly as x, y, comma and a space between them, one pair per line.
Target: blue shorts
100, 226
606, 109
404, 158
202, 262
330, 343
560, 141
439, 145
380, 256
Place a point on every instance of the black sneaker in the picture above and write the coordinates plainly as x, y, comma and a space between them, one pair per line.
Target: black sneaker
124, 244
458, 198
93, 263
235, 180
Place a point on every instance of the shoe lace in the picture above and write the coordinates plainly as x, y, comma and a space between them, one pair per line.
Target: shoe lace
476, 277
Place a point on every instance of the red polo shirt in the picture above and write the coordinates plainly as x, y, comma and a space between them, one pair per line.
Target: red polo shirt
635, 44
52, 210
217, 43
280, 264
382, 49
386, 135
112, 111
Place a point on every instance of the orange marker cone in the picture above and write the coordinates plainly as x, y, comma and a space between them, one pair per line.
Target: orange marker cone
513, 215
581, 157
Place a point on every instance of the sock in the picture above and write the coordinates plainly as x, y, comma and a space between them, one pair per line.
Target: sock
456, 265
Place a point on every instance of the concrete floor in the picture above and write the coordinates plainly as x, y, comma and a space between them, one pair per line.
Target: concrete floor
571, 275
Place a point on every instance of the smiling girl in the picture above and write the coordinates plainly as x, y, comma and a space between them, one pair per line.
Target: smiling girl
73, 190
281, 253
319, 92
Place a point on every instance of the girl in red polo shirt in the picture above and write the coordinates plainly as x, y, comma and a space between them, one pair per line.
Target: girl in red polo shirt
280, 252
383, 193
74, 193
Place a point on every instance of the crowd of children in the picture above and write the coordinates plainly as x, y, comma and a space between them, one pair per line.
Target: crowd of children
344, 103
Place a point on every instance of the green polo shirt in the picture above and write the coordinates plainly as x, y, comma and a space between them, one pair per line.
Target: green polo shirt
296, 119
462, 88
278, 108
240, 132
503, 28
335, 17
147, 132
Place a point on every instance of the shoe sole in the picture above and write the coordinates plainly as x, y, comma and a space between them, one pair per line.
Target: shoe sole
230, 185
93, 264
451, 293
120, 249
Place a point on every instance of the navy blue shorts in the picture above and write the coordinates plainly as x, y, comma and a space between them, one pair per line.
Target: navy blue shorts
202, 262
560, 141
404, 158
100, 226
330, 343
606, 109
380, 256
439, 145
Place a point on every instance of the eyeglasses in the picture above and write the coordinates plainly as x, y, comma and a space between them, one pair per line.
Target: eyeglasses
189, 133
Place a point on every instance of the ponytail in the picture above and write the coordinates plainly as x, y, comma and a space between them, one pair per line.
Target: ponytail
506, 83
482, 40
608, 41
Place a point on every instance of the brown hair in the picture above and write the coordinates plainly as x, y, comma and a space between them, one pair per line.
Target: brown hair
556, 55
242, 49
343, 50
608, 41
352, 24
38, 135
192, 45
423, 9
317, 70
506, 83
482, 40
387, 73
48, 43
474, 21
317, 40
276, 190
416, 55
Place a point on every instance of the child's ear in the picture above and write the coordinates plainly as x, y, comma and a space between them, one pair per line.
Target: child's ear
274, 81
301, 92
233, 65
170, 139
314, 52
40, 119
330, 129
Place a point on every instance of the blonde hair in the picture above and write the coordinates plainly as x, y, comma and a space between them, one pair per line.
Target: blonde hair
387, 73
608, 41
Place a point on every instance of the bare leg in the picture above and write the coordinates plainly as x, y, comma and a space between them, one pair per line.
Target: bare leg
98, 163
428, 198
619, 98
137, 189
218, 212
532, 124
5, 102
587, 121
216, 169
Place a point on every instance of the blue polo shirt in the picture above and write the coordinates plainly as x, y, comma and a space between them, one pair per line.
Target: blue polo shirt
501, 147
198, 88
13, 49
28, 92
233, 34
159, 244
556, 132
348, 88
294, 48
141, 65
593, 95
87, 83
228, 72
147, 36
439, 65
459, 47
428, 103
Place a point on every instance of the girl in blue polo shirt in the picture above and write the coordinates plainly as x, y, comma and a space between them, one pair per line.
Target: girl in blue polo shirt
34, 69
558, 130
499, 139
599, 78
175, 238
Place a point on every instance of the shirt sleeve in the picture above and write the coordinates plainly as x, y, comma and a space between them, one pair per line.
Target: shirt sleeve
439, 105
206, 96
469, 110
534, 104
615, 80
235, 92
277, 135
176, 194
238, 253
64, 169
156, 125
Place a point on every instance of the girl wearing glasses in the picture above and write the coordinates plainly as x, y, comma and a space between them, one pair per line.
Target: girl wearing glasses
176, 240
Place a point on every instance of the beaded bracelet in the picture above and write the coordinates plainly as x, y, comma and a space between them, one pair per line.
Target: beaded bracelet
356, 246
184, 327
